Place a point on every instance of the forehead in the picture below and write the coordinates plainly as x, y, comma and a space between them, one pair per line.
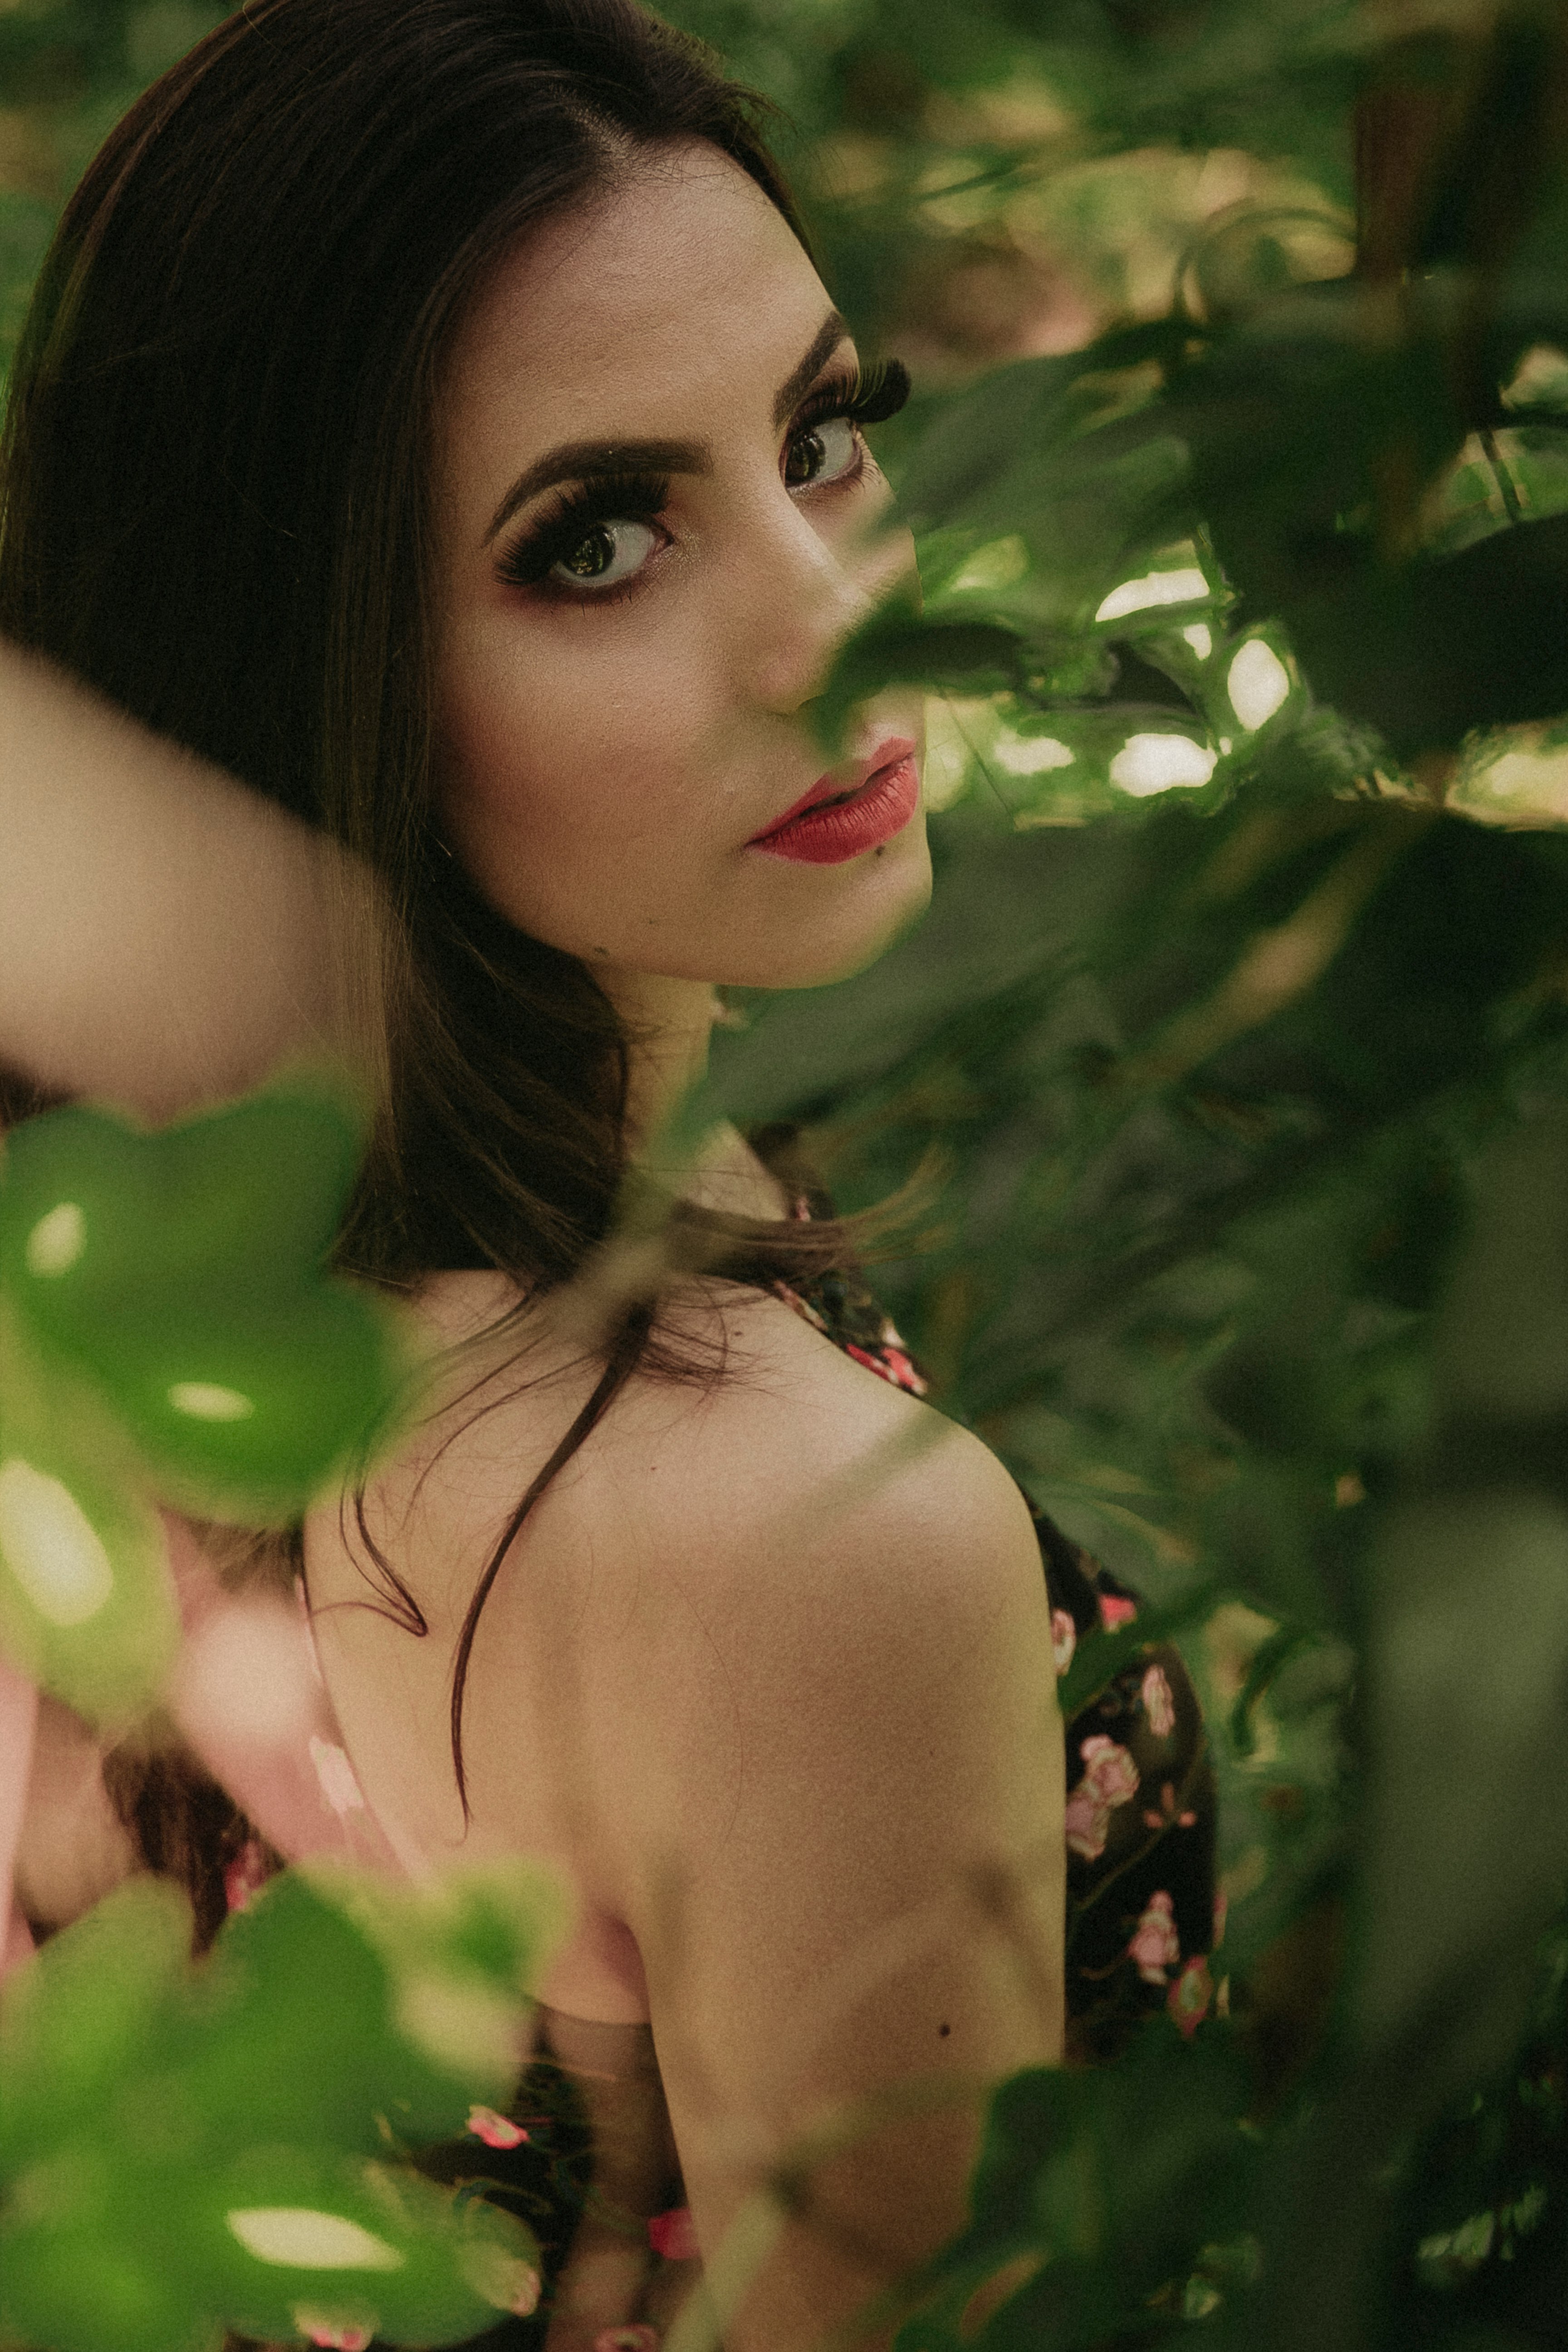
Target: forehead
682, 283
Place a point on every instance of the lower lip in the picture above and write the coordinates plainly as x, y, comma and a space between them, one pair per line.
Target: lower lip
831, 835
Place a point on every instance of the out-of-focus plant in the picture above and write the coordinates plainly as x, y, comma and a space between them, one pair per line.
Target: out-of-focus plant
168, 1333
192, 2149
69, 70
186, 2149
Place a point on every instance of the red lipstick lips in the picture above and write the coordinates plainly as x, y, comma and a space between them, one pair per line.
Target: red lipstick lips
833, 823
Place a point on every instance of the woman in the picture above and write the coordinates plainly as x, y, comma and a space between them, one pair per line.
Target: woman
432, 417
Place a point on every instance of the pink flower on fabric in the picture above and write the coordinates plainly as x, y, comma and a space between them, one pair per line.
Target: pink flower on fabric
1167, 1815
332, 2335
1064, 1638
1158, 1705
336, 1775
495, 2130
890, 1364
672, 2235
1087, 1824
638, 2337
246, 1876
802, 1307
1190, 1995
1110, 1770
1155, 1944
1111, 1779
1115, 1611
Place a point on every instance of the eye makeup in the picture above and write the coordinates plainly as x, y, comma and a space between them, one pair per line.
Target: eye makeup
865, 395
575, 515
541, 557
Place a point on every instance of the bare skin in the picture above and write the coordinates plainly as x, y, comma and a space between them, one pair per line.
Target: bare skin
165, 935
768, 1677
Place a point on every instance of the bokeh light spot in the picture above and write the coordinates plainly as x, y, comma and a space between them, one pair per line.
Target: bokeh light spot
1183, 587
1257, 683
1161, 763
51, 1547
57, 1241
206, 1401
1032, 755
299, 2238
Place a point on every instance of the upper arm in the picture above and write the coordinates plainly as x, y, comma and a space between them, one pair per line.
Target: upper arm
166, 934
843, 1833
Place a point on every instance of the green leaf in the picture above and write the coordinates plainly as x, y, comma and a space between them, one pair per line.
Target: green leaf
87, 1606
187, 2149
894, 648
79, 2018
183, 1274
1115, 2176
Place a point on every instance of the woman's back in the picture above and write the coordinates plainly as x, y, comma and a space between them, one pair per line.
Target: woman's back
768, 1677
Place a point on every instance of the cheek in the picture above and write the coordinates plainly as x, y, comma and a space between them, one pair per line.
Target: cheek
576, 774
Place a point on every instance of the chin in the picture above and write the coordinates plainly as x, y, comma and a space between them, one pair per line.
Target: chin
833, 940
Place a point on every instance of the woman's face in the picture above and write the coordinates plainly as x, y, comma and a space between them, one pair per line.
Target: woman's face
657, 525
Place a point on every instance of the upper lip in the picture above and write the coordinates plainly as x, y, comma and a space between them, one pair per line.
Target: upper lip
887, 754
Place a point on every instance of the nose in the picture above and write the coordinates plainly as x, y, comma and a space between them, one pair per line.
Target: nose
809, 594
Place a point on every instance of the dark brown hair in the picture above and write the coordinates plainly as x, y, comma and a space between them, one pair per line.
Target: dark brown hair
215, 476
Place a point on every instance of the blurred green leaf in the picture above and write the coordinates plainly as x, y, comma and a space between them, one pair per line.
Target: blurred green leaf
183, 1273
1096, 2187
184, 2149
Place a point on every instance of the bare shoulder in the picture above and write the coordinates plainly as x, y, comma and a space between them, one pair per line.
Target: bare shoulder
773, 1441
783, 1445
806, 1563
780, 1541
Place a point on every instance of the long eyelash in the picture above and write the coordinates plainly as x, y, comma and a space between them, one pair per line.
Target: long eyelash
608, 498
867, 396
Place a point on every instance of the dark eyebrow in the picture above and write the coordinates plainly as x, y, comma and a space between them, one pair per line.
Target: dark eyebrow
586, 461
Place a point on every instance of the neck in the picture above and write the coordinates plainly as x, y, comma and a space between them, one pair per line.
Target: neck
668, 1024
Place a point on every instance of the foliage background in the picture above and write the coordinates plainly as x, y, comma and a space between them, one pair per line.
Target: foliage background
1246, 1073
